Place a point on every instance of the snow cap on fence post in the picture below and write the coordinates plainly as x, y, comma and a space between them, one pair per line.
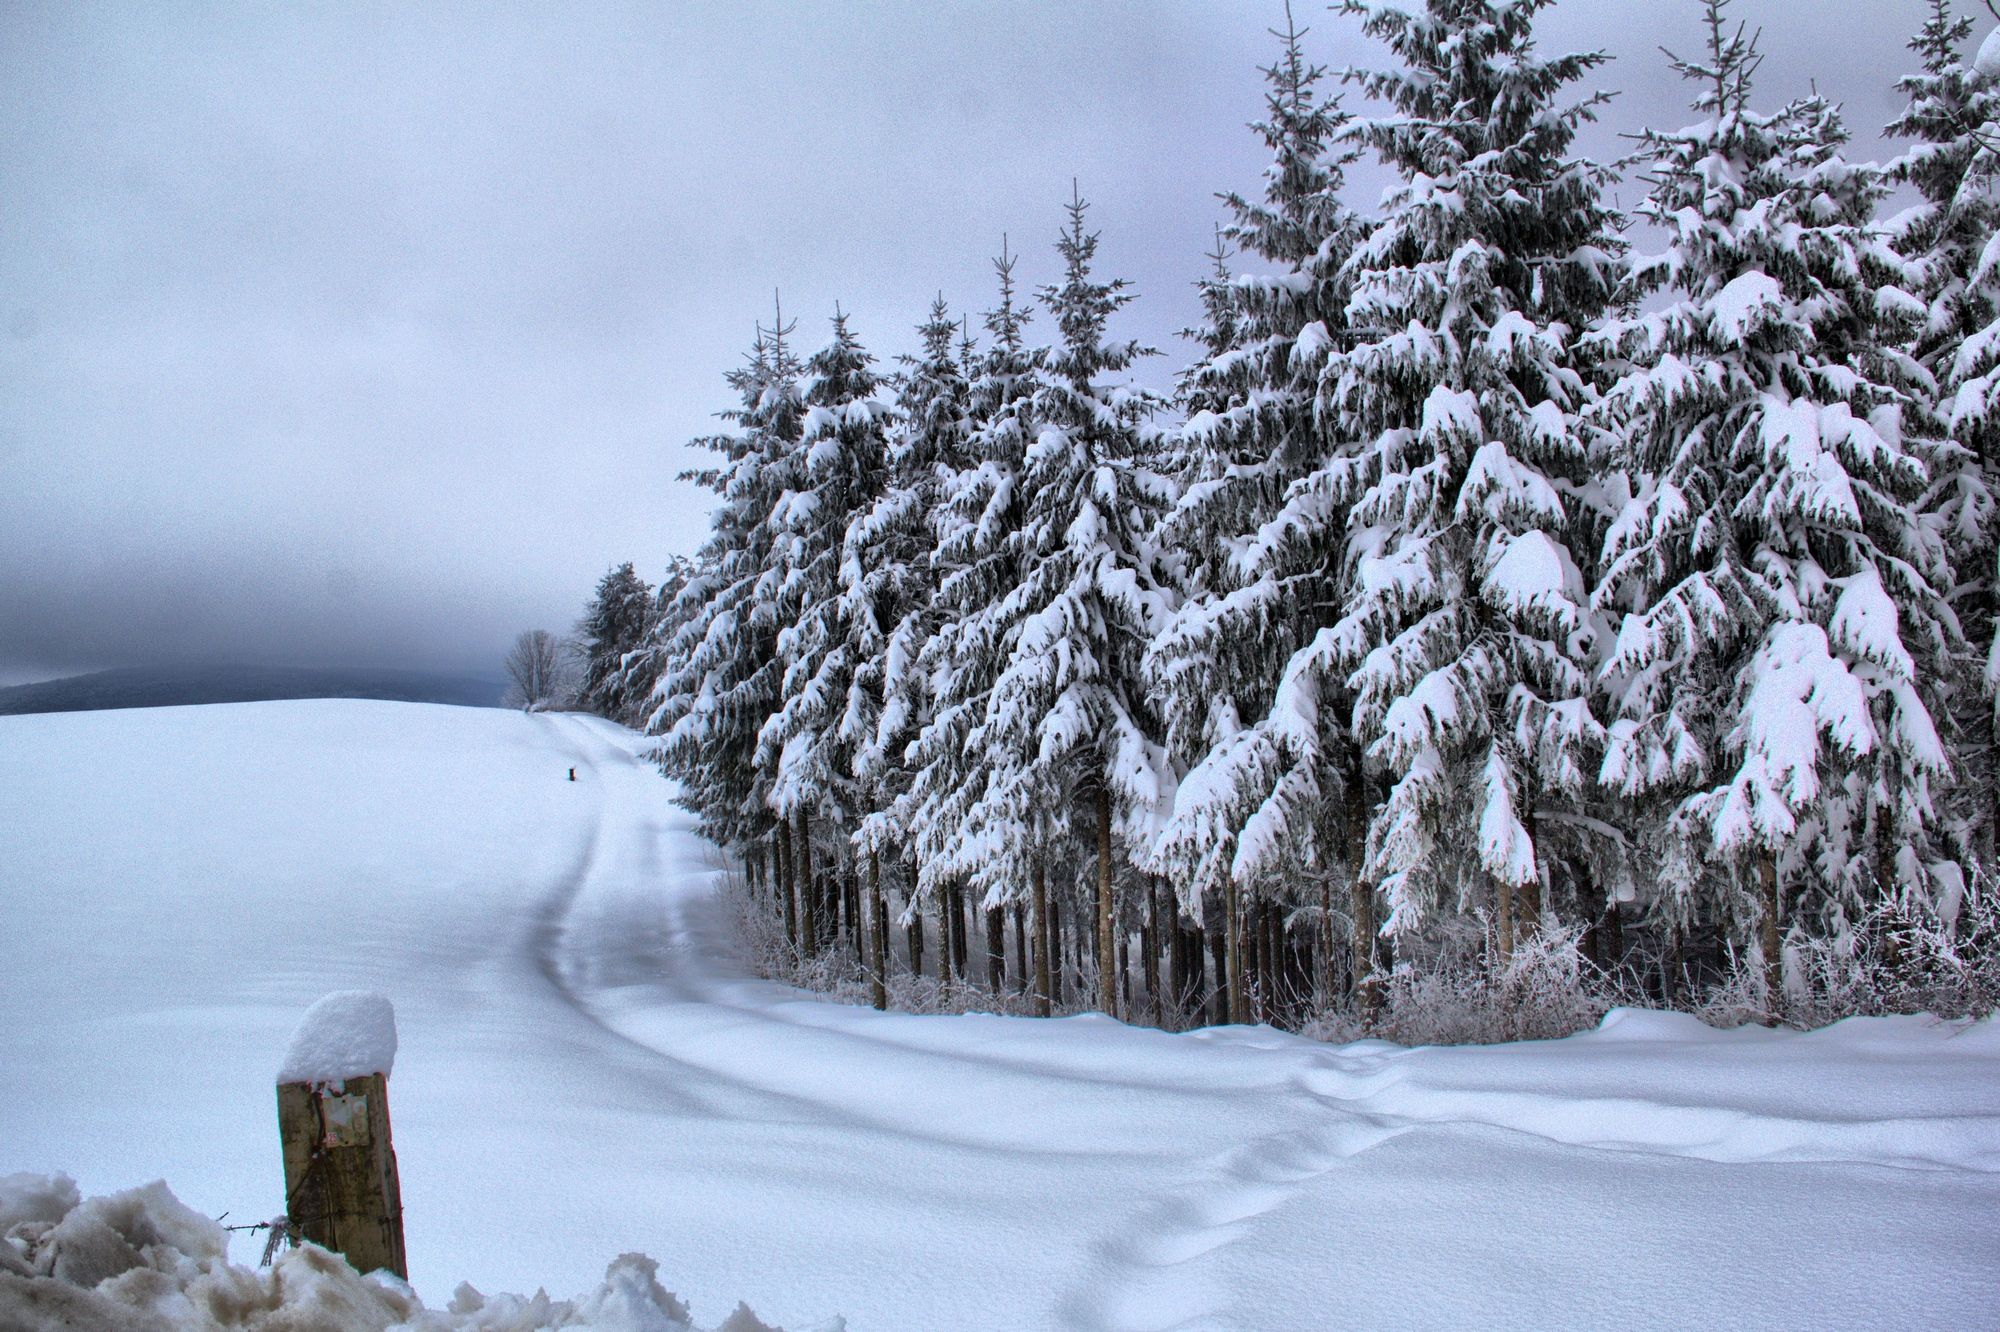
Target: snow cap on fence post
347, 1034
341, 1188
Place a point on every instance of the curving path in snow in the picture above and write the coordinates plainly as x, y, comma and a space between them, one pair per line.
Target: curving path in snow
586, 1069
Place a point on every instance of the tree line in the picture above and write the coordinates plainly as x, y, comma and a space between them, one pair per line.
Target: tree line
1499, 571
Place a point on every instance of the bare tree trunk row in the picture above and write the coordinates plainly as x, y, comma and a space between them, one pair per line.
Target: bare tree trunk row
1245, 966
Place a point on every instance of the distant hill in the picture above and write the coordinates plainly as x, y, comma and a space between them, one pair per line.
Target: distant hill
173, 686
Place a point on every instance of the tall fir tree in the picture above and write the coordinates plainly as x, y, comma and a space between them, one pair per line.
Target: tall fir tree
809, 744
723, 678
1464, 638
639, 672
1067, 718
1256, 536
613, 624
1777, 578
889, 571
1952, 238
973, 566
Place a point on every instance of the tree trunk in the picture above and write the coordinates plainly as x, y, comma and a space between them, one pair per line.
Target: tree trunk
1218, 974
857, 924
961, 952
1305, 972
947, 934
1058, 963
1238, 1002
915, 929
1361, 895
1274, 964
884, 959
1124, 951
808, 913
1149, 951
1044, 927
878, 963
1255, 991
842, 915
968, 932
950, 924
1183, 964
944, 939
1021, 966
996, 950
835, 902
787, 903
1503, 901
1323, 974
1083, 938
1774, 956
1107, 914
828, 880
1530, 923
1275, 948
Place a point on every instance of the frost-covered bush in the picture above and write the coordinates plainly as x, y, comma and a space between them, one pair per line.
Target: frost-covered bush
1455, 996
143, 1261
1898, 957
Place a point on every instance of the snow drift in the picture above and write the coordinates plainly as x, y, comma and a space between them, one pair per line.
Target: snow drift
142, 1261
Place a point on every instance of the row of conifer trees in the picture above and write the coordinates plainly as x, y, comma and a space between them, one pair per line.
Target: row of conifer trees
1503, 567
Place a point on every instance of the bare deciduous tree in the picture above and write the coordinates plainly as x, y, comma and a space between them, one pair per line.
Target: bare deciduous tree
538, 671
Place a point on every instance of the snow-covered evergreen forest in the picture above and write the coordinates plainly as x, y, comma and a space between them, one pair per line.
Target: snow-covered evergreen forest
1517, 599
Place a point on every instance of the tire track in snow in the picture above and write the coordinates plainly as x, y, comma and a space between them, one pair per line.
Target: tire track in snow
545, 943
653, 966
549, 941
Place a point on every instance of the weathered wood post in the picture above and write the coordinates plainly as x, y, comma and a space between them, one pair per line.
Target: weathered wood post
341, 1190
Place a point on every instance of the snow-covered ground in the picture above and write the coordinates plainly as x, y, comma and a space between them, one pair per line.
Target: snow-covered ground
584, 1069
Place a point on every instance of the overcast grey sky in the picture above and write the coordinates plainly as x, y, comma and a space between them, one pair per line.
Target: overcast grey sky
372, 333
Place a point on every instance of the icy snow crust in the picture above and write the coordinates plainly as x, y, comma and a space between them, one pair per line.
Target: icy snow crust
587, 1071
346, 1034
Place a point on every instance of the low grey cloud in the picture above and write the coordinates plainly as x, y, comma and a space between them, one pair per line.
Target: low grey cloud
373, 333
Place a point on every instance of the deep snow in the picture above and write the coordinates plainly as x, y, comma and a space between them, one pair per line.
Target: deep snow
586, 1070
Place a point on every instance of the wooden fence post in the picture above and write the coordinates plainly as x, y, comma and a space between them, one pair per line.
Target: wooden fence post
341, 1189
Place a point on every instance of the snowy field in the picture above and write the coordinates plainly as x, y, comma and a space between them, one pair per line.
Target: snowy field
585, 1070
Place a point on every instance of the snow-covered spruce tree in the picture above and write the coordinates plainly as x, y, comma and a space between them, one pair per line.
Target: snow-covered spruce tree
1952, 238
1464, 636
1066, 721
1782, 633
808, 745
638, 672
975, 567
1258, 540
722, 675
890, 577
613, 624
